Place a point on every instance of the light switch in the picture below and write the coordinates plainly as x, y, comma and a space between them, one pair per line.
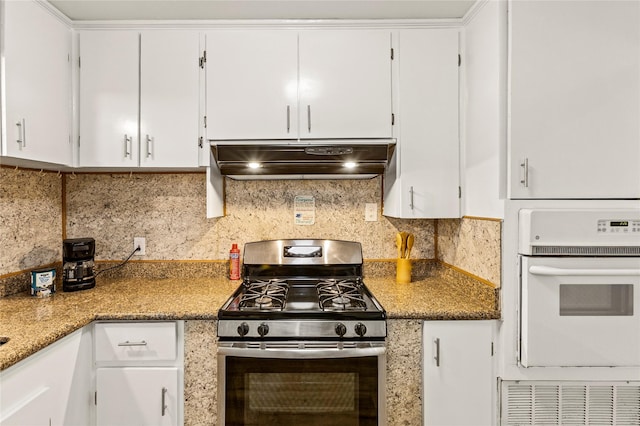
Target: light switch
371, 212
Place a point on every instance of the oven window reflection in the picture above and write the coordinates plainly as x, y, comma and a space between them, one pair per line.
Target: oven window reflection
596, 300
341, 391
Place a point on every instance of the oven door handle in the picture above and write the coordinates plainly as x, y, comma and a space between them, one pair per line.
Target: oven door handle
291, 353
551, 271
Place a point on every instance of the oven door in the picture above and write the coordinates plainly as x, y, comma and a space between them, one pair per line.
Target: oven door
295, 383
578, 311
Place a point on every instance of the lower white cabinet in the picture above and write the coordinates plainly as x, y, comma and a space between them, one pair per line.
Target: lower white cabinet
51, 387
139, 373
459, 381
137, 396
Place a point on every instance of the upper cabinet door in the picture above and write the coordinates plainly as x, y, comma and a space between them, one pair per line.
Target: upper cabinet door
574, 99
423, 178
169, 98
109, 98
252, 84
38, 84
345, 84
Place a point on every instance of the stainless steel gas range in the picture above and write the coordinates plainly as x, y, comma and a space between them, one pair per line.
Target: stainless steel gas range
302, 340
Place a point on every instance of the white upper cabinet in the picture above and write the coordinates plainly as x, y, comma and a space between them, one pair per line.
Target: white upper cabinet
109, 98
283, 84
37, 84
169, 98
574, 99
345, 84
252, 85
423, 178
153, 73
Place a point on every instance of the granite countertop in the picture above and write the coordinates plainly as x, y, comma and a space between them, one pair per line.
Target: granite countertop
31, 324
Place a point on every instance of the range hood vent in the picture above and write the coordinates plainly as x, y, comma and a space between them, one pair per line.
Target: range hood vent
346, 159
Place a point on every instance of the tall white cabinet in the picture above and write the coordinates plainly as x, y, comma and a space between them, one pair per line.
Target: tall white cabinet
423, 179
574, 72
289, 85
459, 378
139, 98
36, 123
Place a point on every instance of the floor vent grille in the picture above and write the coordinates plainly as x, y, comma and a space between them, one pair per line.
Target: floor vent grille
570, 403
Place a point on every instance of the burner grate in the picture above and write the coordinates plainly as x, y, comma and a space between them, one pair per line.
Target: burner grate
264, 295
340, 295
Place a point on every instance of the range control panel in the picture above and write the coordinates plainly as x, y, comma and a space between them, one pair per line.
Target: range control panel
618, 226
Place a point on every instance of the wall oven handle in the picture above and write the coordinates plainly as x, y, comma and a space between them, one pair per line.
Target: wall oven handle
551, 271
291, 353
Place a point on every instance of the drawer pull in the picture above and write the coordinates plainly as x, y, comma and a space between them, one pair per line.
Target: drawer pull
128, 343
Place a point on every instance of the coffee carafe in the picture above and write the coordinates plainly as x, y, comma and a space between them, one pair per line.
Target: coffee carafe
78, 264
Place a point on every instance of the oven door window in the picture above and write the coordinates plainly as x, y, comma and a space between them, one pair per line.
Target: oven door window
596, 299
269, 391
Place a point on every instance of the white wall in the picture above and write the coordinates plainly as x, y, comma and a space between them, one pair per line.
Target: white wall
484, 113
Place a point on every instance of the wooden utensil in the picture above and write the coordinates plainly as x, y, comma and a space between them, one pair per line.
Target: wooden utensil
399, 244
410, 241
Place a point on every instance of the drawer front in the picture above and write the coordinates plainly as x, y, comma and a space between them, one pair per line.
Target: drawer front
136, 341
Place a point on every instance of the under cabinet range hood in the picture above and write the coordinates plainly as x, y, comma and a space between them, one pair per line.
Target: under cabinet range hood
348, 159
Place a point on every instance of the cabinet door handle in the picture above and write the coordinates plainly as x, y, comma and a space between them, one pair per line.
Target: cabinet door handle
436, 341
128, 343
309, 118
164, 405
150, 142
288, 118
525, 171
21, 132
127, 143
411, 205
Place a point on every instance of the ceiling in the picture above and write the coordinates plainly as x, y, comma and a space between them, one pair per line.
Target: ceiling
83, 10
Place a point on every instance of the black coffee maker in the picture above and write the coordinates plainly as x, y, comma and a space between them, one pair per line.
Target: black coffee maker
78, 264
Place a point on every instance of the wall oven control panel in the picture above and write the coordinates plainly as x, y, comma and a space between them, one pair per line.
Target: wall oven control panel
618, 225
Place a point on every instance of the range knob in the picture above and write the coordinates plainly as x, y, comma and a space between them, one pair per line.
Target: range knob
360, 329
243, 329
341, 329
263, 329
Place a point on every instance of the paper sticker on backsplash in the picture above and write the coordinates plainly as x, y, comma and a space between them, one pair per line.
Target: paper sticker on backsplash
304, 210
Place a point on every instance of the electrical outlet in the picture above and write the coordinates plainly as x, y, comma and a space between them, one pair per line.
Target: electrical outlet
142, 243
371, 212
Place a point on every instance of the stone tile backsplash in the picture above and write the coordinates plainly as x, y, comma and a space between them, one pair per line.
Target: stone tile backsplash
168, 209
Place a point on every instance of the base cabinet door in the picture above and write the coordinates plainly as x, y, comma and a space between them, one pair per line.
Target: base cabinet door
458, 368
137, 396
50, 387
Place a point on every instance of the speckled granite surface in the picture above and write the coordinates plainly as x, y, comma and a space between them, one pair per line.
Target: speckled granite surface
31, 216
32, 324
473, 245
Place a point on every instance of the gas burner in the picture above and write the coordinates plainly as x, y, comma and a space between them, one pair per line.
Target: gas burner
264, 295
345, 295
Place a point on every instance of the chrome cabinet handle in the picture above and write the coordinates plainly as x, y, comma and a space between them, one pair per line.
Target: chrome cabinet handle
127, 144
411, 205
437, 357
128, 343
309, 117
525, 168
21, 132
164, 405
288, 118
150, 141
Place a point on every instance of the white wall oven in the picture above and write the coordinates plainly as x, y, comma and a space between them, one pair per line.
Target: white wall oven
302, 340
579, 288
